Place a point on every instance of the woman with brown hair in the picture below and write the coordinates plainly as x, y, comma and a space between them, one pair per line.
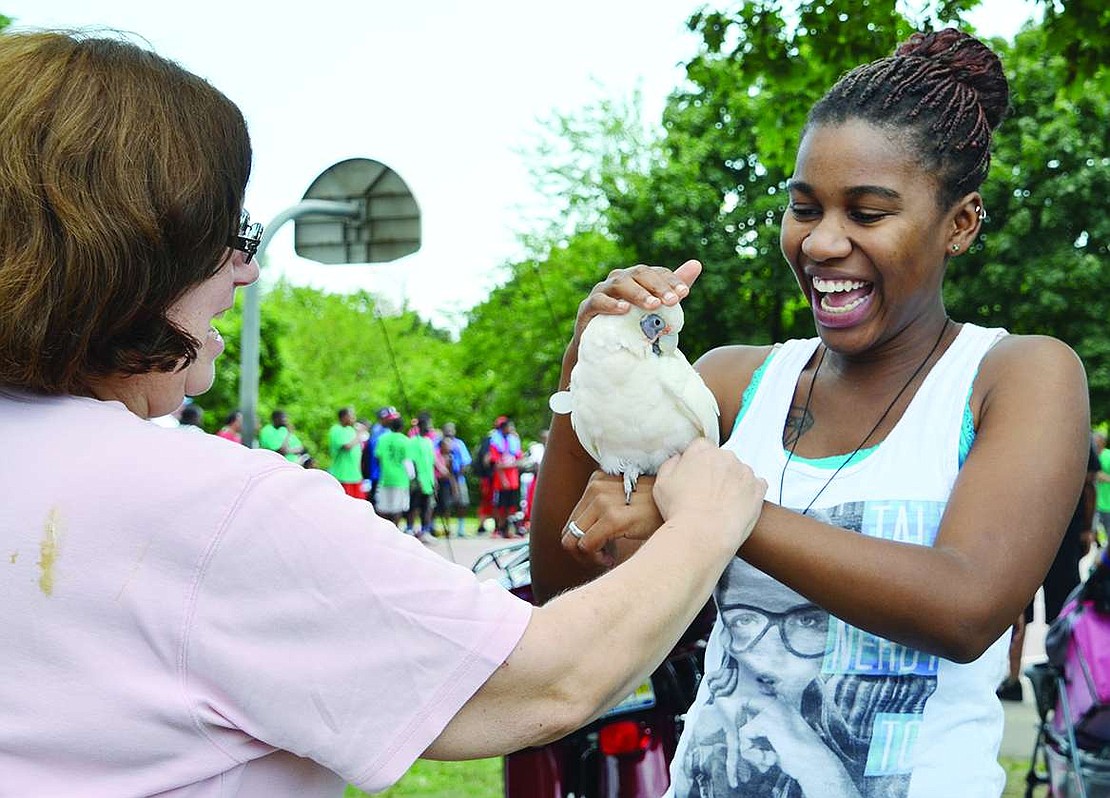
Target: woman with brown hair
903, 501
187, 618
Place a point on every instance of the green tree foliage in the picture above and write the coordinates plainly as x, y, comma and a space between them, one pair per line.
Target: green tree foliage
709, 184
337, 350
223, 396
1042, 264
512, 348
1079, 30
323, 351
717, 192
580, 160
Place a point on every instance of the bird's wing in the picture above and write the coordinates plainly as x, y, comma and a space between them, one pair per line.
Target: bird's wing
562, 403
589, 433
693, 398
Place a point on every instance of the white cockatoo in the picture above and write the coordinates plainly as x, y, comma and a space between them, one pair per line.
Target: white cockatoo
634, 400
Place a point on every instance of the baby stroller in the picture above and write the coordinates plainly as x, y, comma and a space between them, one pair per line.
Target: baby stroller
1072, 750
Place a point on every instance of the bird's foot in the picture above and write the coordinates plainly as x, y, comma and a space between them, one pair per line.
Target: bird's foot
629, 485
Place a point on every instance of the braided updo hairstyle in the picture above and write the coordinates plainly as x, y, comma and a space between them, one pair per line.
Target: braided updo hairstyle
946, 90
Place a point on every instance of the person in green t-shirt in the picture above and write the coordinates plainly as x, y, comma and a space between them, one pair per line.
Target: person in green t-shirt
1102, 488
418, 520
279, 436
345, 447
394, 455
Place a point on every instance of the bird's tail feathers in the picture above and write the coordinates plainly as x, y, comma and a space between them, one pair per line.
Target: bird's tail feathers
559, 402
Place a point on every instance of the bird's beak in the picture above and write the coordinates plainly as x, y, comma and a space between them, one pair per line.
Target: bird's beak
665, 344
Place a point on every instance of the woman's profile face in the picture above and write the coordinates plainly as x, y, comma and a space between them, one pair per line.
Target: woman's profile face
863, 233
195, 311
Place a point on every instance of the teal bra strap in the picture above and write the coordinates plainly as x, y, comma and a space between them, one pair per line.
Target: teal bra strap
967, 428
749, 392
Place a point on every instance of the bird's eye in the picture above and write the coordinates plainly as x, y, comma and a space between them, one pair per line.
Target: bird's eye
652, 325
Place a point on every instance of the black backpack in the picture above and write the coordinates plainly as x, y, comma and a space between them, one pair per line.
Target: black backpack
479, 466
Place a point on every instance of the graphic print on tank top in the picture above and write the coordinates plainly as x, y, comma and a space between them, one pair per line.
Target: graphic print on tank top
800, 703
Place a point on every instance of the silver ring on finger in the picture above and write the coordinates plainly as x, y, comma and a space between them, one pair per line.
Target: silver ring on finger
573, 529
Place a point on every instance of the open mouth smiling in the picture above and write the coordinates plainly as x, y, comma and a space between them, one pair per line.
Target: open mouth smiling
841, 296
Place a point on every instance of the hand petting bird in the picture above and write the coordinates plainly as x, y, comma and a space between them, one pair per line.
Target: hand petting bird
634, 400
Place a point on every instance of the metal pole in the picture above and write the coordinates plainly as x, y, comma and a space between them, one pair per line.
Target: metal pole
250, 338
249, 344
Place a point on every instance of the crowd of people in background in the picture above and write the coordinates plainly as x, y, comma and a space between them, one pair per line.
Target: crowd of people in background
419, 478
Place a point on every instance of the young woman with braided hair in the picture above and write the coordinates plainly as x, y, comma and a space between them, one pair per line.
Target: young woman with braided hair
901, 530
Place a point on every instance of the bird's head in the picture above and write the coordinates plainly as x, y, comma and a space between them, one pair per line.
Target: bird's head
661, 327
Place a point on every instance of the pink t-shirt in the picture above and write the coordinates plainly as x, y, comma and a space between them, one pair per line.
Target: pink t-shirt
230, 435
185, 618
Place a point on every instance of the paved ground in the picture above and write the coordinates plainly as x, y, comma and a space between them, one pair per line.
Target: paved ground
465, 551
1021, 718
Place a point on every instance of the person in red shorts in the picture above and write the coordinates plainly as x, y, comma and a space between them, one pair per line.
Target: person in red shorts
345, 445
505, 457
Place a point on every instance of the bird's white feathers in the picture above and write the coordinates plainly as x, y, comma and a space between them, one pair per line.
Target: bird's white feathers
634, 400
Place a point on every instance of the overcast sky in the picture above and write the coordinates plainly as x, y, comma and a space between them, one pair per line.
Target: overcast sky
445, 93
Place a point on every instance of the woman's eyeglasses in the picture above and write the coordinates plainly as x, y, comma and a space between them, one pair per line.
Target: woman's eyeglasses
249, 237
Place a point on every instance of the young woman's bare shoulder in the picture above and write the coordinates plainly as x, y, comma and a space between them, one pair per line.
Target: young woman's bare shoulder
727, 370
1032, 368
1018, 355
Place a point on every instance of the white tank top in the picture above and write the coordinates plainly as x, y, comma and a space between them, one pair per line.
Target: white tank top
796, 702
